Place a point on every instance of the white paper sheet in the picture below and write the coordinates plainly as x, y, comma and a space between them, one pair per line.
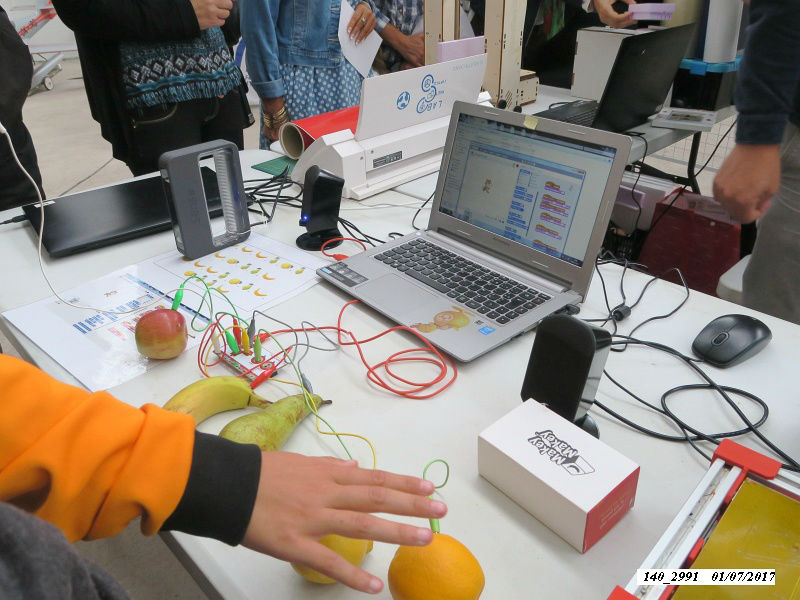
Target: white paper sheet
98, 347
362, 55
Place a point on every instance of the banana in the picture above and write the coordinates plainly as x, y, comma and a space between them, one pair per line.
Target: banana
207, 397
271, 427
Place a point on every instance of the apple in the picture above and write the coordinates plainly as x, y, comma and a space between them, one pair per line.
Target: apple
161, 333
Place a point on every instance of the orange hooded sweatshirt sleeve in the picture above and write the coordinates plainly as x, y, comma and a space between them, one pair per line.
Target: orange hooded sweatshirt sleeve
89, 463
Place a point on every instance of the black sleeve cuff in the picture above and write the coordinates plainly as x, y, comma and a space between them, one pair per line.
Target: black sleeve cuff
221, 491
188, 18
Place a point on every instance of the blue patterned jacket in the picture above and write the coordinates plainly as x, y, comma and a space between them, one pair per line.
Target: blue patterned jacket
297, 32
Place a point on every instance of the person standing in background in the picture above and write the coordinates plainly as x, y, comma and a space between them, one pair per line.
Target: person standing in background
295, 60
159, 74
16, 71
396, 20
760, 178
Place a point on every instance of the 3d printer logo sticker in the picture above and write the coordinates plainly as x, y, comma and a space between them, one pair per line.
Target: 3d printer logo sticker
403, 100
560, 453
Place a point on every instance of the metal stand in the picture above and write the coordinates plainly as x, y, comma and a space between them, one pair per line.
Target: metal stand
690, 179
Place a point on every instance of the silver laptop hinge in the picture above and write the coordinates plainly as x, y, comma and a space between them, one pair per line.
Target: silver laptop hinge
503, 265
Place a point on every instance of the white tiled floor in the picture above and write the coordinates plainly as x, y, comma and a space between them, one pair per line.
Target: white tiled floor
70, 149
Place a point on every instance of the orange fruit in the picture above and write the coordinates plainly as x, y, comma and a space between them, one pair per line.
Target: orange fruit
353, 550
443, 570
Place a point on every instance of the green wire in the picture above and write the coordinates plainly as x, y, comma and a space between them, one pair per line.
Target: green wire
435, 522
210, 301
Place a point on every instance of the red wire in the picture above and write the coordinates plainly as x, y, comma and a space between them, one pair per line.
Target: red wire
388, 379
375, 377
373, 371
340, 239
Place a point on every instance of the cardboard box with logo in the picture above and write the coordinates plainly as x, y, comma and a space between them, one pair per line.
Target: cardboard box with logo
572, 482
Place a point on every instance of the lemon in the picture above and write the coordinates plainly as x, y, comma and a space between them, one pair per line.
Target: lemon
352, 550
443, 570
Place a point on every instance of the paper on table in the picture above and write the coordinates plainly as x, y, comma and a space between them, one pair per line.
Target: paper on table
361, 55
98, 347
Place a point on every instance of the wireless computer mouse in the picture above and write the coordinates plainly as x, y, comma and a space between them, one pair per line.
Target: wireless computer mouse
730, 339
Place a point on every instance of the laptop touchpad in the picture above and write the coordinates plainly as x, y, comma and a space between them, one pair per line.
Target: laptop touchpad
396, 296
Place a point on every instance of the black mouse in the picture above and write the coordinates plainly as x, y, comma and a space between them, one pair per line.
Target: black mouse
730, 339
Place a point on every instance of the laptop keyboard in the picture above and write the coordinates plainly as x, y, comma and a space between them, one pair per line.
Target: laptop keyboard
585, 118
485, 291
579, 112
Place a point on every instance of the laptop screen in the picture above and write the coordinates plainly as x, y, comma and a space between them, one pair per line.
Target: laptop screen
534, 188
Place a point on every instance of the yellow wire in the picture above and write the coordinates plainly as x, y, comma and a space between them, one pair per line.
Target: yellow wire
276, 380
306, 396
313, 408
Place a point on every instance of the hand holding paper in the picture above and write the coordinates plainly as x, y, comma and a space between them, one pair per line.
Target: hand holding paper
360, 54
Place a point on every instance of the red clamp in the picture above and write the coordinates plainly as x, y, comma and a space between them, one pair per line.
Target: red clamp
748, 460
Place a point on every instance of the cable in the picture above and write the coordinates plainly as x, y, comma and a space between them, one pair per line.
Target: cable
562, 103
750, 427
622, 310
625, 340
89, 176
416, 214
638, 175
670, 313
272, 190
339, 239
17, 219
694, 175
40, 204
354, 232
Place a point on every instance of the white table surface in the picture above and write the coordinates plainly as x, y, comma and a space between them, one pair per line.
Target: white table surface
520, 557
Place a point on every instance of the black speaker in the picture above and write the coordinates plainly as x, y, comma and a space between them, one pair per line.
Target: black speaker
565, 367
319, 214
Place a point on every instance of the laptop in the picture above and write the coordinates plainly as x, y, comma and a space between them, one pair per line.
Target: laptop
108, 215
640, 79
518, 217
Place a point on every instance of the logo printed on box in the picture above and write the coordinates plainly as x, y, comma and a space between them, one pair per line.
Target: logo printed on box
403, 99
560, 452
431, 88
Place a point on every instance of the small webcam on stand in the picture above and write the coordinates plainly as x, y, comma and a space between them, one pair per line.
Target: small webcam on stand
319, 214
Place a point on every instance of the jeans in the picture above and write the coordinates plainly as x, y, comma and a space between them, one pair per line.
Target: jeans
772, 279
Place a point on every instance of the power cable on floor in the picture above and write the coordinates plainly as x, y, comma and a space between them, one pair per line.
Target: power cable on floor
89, 176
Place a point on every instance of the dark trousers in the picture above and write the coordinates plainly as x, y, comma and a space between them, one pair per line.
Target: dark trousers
158, 129
16, 70
15, 188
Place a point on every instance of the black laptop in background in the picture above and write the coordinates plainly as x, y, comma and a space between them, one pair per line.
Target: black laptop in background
109, 215
643, 71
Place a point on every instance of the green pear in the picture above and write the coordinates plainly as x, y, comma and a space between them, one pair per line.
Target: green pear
271, 427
